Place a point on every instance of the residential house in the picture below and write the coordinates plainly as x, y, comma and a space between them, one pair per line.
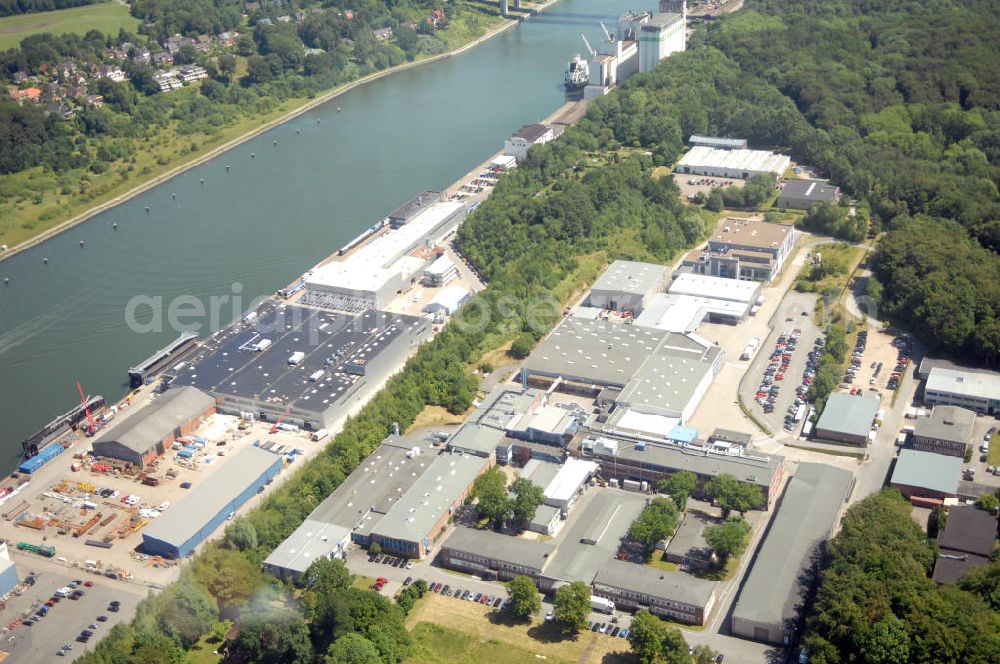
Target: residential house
967, 541
383, 34
162, 59
60, 108
228, 39
97, 101
19, 77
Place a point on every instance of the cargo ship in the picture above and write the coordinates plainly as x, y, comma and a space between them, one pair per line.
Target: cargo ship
577, 74
60, 426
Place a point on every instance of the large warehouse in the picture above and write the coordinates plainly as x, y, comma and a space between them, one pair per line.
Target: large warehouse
975, 390
926, 478
674, 595
410, 526
147, 432
312, 541
716, 288
739, 164
303, 365
628, 286
768, 607
371, 276
657, 372
187, 524
847, 419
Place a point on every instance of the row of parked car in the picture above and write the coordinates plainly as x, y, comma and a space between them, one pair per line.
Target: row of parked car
609, 629
391, 560
859, 351
774, 372
902, 361
480, 598
792, 416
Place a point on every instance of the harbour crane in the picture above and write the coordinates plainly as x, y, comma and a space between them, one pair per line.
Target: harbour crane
86, 409
586, 43
607, 34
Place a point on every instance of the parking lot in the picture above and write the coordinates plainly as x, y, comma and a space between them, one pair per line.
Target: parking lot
29, 638
774, 358
694, 184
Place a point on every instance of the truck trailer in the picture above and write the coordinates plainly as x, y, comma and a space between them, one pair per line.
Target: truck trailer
601, 604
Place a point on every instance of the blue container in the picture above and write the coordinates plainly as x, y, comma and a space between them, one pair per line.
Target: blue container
48, 453
184, 454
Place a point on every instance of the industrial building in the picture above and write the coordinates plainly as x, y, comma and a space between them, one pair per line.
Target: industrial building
947, 431
386, 263
966, 541
719, 142
737, 164
745, 293
768, 608
926, 478
803, 194
847, 419
743, 249
685, 313
312, 541
622, 457
688, 547
447, 301
187, 524
492, 555
673, 595
523, 139
628, 286
649, 371
301, 365
355, 507
546, 520
9, 578
410, 526
441, 272
660, 36
147, 432
561, 484
976, 390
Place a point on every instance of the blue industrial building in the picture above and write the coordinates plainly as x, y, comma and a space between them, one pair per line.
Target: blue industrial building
187, 524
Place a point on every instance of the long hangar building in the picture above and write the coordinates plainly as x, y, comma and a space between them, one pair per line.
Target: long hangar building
304, 365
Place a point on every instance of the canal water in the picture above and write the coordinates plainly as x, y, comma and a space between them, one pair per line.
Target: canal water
277, 210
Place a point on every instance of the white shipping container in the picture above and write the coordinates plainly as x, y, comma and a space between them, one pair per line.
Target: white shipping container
317, 375
296, 357
320, 435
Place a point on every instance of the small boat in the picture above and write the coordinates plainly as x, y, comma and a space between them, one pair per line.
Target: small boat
577, 74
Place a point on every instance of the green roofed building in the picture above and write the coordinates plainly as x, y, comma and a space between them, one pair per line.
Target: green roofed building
926, 478
847, 419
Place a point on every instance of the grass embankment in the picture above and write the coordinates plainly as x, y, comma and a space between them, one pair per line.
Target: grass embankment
994, 457
473, 632
108, 17
658, 562
432, 416
35, 201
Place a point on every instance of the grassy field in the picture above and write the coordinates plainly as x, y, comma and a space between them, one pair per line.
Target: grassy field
472, 631
658, 562
994, 456
108, 17
432, 416
845, 256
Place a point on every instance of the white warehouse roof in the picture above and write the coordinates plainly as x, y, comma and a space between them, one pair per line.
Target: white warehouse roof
967, 383
751, 161
715, 288
449, 299
569, 479
385, 256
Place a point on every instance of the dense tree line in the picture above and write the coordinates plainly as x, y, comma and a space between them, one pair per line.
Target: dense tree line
15, 7
875, 602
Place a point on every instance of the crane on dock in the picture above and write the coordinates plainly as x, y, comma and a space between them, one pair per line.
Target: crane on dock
586, 43
86, 408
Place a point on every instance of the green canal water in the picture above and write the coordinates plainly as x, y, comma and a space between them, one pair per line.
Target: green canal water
255, 228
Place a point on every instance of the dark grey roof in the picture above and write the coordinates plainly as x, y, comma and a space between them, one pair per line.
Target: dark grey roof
969, 529
951, 566
502, 548
307, 544
949, 423
592, 539
662, 20
672, 586
730, 436
806, 516
633, 277
531, 132
143, 429
809, 191
758, 469
412, 208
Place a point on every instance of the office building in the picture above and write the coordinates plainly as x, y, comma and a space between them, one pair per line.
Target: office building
674, 595
525, 138
947, 431
803, 194
976, 390
743, 249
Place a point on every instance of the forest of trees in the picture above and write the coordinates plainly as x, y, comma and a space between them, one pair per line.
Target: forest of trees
15, 7
875, 602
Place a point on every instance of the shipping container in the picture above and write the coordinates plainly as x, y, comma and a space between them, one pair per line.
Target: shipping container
47, 453
296, 357
184, 454
98, 543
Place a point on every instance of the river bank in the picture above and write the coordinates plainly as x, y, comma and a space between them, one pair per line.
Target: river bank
304, 106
